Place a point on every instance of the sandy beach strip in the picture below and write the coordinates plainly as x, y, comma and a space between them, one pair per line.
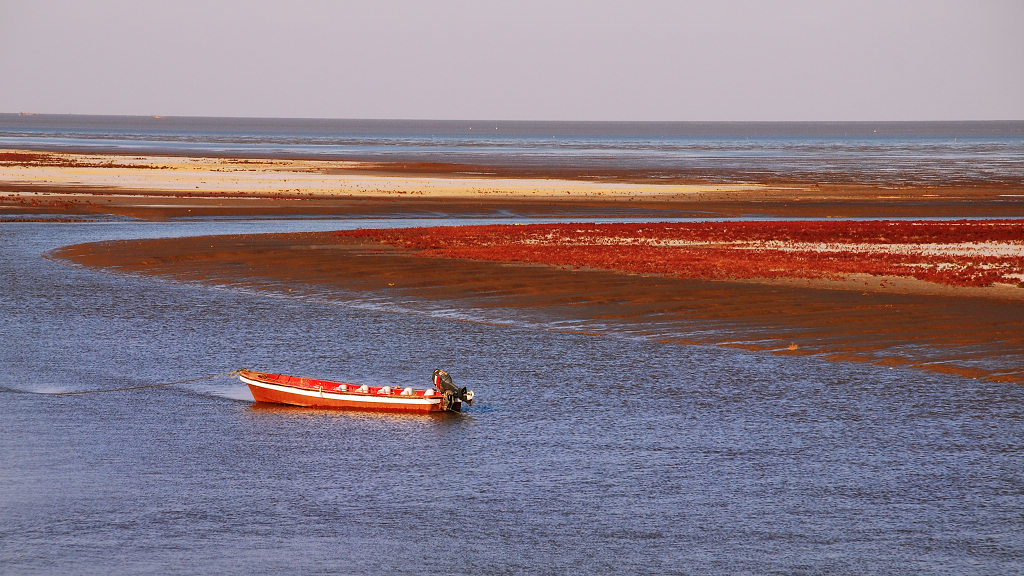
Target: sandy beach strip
311, 178
161, 187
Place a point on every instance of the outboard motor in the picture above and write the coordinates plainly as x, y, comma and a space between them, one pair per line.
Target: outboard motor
452, 396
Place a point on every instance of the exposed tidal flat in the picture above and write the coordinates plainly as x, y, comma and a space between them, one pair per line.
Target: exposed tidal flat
624, 422
191, 166
160, 187
950, 307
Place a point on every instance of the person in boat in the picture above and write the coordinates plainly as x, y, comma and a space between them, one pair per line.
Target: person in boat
450, 392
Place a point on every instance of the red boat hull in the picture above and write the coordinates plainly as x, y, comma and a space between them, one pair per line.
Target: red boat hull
294, 391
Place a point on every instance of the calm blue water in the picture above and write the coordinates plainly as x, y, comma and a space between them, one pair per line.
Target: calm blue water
582, 455
882, 153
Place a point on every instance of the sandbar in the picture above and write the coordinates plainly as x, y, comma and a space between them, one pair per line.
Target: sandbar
162, 187
867, 319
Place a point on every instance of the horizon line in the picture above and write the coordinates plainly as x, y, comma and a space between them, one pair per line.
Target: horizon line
507, 120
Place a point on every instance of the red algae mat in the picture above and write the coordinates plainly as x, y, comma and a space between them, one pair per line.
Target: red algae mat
950, 300
956, 253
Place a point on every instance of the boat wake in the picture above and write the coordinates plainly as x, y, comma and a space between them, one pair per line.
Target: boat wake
129, 388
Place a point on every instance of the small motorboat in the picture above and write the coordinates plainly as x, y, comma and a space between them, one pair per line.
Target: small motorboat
445, 396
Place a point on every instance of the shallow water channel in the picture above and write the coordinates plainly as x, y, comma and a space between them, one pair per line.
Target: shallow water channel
581, 454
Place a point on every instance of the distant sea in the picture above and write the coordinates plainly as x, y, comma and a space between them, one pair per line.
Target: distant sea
877, 153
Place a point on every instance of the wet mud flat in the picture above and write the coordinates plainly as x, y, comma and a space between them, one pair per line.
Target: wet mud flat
865, 319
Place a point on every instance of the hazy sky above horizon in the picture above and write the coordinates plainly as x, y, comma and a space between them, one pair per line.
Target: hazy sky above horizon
521, 60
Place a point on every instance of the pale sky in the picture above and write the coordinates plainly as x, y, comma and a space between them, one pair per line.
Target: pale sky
518, 60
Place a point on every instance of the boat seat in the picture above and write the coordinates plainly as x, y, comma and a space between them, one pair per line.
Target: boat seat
385, 390
407, 392
429, 392
364, 389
